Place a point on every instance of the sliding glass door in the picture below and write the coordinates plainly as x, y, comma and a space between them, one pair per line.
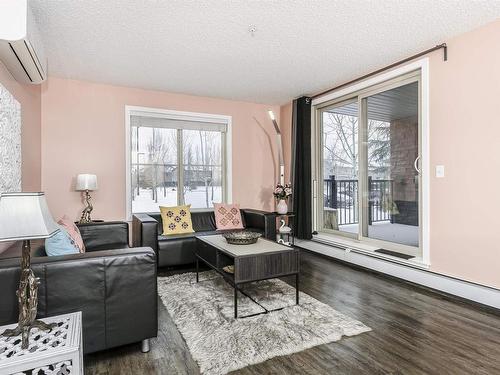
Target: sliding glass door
391, 151
369, 165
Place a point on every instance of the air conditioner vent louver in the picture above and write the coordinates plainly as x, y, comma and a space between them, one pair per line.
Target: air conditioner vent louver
20, 47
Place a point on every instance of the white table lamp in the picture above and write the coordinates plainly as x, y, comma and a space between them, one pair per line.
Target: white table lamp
86, 183
26, 216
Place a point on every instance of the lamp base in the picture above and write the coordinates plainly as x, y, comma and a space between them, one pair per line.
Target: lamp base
24, 331
85, 218
27, 297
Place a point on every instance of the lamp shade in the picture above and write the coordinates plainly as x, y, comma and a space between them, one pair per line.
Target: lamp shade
86, 182
25, 216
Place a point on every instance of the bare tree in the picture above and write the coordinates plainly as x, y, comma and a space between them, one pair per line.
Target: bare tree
202, 156
340, 133
159, 146
340, 143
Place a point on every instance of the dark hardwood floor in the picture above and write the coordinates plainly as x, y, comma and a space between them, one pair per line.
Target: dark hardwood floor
414, 331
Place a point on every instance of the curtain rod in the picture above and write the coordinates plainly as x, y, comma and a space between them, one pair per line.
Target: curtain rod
439, 46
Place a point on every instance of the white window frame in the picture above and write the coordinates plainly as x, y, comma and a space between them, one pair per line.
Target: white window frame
185, 116
423, 66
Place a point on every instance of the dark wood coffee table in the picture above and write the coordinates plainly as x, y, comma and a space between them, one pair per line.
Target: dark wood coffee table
260, 261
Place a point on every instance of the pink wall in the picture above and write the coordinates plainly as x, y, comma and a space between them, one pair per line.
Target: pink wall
29, 97
465, 137
83, 131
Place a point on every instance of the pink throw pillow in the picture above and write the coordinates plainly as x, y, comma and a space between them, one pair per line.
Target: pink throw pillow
73, 232
227, 216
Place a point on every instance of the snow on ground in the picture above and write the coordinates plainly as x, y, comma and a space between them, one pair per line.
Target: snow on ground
384, 230
381, 230
197, 197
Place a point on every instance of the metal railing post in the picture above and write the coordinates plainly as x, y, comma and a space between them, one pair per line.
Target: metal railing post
370, 203
334, 191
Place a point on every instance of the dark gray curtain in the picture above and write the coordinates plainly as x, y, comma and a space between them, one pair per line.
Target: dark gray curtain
301, 168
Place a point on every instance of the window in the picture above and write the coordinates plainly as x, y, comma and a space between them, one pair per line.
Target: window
176, 158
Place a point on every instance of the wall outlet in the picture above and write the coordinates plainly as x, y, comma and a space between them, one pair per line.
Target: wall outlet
439, 171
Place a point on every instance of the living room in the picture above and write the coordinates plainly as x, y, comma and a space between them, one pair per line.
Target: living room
249, 187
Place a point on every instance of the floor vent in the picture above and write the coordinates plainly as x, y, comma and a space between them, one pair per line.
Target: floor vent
394, 254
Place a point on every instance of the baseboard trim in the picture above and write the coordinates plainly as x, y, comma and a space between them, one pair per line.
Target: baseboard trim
469, 291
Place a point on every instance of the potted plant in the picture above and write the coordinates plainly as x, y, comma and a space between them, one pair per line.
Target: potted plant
282, 192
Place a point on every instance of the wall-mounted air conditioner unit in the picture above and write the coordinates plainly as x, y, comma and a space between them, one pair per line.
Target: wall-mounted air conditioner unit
21, 49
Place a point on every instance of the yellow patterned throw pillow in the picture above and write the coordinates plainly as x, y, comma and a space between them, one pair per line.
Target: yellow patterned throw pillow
176, 220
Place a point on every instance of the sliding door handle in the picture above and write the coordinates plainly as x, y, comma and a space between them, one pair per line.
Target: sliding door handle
415, 164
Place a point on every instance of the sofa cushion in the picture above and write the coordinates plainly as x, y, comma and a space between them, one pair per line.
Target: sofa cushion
73, 232
203, 221
60, 243
107, 235
175, 250
227, 216
176, 220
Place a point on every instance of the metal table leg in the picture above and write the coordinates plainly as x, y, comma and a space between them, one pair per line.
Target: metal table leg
197, 268
235, 302
297, 289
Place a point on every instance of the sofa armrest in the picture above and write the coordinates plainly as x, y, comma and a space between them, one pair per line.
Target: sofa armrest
115, 290
106, 235
265, 221
145, 231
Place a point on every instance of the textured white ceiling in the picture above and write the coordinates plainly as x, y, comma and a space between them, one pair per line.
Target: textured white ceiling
203, 47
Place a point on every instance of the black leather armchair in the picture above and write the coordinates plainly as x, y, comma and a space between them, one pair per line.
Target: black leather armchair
178, 249
116, 289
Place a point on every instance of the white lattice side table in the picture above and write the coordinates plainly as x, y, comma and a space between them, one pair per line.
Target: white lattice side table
58, 351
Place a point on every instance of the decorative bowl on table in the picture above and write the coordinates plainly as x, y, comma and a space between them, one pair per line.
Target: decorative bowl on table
242, 237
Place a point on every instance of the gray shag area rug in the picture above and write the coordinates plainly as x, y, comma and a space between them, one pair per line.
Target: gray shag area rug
204, 314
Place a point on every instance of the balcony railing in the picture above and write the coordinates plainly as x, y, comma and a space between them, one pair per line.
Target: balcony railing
343, 195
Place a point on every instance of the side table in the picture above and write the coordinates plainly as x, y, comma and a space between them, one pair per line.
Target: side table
58, 351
